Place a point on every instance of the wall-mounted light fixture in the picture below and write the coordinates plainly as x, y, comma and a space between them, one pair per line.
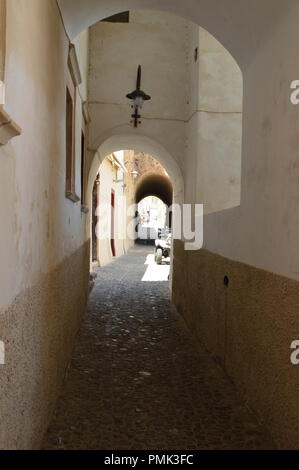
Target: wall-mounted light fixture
138, 96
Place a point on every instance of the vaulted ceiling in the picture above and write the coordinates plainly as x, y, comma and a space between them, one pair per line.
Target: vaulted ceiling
240, 25
154, 184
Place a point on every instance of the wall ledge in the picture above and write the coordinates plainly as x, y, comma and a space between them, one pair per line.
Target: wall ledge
72, 196
84, 209
74, 66
85, 111
8, 128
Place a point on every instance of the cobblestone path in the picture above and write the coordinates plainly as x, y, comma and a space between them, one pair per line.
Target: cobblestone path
138, 380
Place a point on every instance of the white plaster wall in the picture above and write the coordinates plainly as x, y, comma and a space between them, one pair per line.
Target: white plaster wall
2, 39
241, 26
41, 226
204, 138
263, 232
212, 165
107, 184
220, 102
116, 50
191, 160
104, 219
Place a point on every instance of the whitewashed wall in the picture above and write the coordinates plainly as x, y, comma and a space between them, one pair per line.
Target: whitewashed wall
106, 186
41, 226
196, 106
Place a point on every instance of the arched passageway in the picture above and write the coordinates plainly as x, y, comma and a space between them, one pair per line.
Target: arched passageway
153, 184
241, 35
241, 40
238, 295
152, 189
142, 143
171, 187
127, 177
145, 342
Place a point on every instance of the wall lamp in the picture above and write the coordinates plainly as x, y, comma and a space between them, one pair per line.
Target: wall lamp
138, 96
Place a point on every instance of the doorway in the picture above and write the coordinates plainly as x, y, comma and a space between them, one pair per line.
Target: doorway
112, 222
95, 203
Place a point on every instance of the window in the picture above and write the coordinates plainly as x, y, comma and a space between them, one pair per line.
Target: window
85, 121
73, 80
112, 241
69, 142
8, 128
95, 203
83, 162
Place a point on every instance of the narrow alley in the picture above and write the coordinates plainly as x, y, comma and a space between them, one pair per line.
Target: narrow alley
135, 132
139, 381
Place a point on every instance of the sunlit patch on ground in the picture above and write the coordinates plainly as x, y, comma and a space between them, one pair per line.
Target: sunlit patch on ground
155, 272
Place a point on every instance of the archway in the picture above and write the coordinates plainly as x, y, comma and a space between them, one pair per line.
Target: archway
196, 108
153, 184
242, 32
144, 144
170, 188
155, 189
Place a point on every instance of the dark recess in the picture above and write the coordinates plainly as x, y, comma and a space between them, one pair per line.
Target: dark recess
123, 17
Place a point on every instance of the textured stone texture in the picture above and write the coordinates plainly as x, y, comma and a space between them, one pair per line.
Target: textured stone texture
248, 327
138, 380
38, 330
144, 163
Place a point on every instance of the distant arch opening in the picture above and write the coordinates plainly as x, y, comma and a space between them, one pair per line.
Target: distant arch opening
153, 184
135, 176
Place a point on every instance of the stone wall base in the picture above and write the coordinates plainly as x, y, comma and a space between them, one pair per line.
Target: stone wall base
39, 329
248, 326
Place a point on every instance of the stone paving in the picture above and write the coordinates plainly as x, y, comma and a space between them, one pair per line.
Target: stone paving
138, 379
